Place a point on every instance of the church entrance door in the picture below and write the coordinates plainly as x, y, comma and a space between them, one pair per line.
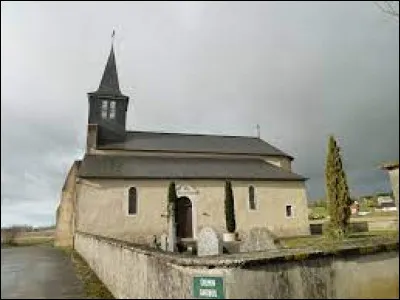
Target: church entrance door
184, 218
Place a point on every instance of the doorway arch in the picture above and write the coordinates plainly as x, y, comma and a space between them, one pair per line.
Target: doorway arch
184, 222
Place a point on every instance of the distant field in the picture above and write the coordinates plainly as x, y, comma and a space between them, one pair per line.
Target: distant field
32, 238
33, 234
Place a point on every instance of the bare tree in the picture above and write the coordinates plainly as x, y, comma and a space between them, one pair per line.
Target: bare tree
390, 8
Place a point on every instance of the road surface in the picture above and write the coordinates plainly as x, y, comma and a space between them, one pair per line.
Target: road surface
40, 272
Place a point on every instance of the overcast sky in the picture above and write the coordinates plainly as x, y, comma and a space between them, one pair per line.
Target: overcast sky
302, 70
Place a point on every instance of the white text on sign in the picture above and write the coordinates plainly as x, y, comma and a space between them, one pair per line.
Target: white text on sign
207, 282
208, 293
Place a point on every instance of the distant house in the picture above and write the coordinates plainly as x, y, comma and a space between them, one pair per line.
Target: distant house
386, 203
385, 199
387, 206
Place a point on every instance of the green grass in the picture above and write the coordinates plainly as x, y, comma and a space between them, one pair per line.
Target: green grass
374, 213
324, 243
94, 288
318, 213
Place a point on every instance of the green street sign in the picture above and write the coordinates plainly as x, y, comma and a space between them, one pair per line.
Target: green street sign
208, 287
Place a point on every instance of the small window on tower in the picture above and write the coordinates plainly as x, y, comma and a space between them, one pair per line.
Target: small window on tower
112, 109
104, 109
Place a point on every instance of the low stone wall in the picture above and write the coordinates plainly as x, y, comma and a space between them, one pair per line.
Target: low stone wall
134, 271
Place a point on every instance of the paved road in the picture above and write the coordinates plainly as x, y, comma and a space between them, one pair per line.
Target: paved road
38, 272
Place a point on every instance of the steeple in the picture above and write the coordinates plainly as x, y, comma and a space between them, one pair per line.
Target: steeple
109, 84
108, 106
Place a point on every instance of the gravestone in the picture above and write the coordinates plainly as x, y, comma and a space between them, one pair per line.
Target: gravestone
258, 239
208, 242
164, 242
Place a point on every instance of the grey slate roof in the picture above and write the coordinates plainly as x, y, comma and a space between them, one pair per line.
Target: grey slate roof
109, 84
149, 167
195, 143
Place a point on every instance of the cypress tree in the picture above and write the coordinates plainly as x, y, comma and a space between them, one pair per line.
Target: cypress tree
229, 208
337, 192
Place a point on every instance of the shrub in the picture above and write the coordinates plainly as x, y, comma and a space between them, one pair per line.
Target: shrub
229, 208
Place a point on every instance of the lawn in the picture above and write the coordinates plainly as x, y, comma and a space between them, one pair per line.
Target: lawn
374, 213
320, 213
321, 242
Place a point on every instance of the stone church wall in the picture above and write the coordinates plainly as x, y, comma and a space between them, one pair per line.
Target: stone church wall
66, 210
103, 207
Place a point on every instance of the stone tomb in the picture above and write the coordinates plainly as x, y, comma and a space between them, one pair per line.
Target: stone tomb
208, 242
258, 239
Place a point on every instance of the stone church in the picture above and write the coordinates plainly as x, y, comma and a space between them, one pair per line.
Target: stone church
119, 188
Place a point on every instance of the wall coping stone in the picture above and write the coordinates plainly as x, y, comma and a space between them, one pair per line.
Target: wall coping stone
243, 260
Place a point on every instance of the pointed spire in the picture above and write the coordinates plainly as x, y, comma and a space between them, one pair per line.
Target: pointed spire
109, 82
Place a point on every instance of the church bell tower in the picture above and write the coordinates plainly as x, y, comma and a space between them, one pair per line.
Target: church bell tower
108, 106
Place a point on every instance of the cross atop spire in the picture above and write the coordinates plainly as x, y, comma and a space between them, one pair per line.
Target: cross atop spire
109, 82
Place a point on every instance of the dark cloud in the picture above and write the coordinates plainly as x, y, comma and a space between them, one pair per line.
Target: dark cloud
302, 70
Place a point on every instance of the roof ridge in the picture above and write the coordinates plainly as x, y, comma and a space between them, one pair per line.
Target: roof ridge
194, 134
144, 157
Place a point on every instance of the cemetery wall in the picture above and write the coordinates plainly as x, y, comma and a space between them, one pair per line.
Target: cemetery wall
134, 271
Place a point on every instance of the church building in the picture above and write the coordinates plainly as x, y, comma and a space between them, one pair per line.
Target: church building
119, 188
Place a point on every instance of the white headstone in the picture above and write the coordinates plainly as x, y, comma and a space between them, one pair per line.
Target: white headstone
164, 242
208, 242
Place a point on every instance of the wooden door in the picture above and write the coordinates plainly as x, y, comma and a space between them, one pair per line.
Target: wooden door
184, 218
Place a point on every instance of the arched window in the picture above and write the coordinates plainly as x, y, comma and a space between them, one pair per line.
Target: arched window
132, 203
252, 200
